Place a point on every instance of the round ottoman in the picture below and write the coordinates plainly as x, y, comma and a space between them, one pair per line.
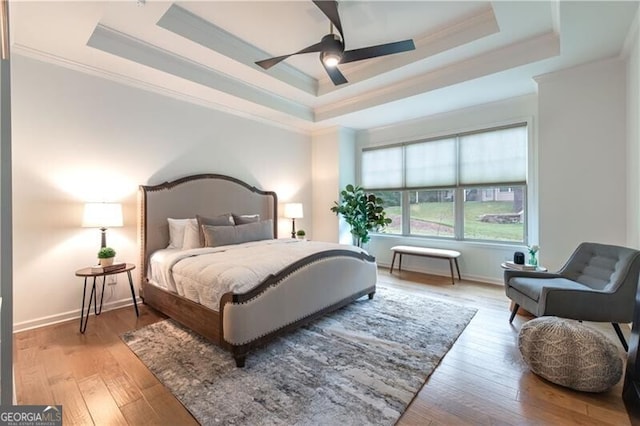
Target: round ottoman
570, 354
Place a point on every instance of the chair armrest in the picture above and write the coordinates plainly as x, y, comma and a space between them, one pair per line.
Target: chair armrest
585, 305
512, 273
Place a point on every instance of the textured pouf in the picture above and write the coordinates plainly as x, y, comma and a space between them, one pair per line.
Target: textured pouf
570, 354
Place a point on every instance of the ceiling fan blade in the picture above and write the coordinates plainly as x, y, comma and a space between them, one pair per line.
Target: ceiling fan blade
335, 75
268, 63
330, 9
379, 50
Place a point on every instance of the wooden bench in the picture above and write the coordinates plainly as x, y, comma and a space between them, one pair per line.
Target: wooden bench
451, 255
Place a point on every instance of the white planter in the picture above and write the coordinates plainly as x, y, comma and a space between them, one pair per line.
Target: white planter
106, 262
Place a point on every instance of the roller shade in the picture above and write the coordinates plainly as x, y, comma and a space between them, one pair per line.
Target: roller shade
382, 168
431, 164
493, 157
490, 157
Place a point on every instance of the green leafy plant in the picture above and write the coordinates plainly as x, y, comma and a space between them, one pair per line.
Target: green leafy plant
106, 253
363, 212
301, 233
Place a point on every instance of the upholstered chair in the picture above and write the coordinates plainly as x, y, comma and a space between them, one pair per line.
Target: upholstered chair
598, 283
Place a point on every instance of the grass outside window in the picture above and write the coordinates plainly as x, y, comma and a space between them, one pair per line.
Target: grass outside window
492, 220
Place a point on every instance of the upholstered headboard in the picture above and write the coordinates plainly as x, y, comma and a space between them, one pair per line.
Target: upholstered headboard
204, 194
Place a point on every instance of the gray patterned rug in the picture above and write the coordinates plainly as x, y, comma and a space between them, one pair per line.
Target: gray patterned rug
360, 365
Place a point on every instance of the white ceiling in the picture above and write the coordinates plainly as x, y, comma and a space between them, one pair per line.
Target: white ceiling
467, 53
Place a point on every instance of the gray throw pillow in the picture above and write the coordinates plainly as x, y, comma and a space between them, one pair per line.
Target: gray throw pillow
215, 236
245, 218
222, 220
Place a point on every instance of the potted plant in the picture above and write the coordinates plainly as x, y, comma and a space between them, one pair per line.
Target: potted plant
301, 234
106, 255
363, 212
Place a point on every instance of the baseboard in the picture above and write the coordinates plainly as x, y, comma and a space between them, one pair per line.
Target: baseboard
443, 273
67, 316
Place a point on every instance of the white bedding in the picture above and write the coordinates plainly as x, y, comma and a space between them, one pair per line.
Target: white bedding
203, 275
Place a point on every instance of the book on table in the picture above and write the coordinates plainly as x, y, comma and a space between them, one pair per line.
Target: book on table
525, 267
108, 268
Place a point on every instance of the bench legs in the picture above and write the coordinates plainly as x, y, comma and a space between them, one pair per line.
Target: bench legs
451, 262
457, 269
392, 262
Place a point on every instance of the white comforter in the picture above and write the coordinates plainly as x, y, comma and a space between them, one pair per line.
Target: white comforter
203, 275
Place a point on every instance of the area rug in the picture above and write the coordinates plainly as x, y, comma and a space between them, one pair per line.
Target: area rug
360, 365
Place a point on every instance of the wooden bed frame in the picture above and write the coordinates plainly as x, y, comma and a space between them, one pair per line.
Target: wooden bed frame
212, 195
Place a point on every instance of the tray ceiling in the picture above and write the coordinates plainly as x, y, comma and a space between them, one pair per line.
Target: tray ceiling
466, 53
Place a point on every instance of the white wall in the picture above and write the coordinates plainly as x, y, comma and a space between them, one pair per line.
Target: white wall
578, 167
333, 167
78, 137
480, 261
633, 135
582, 158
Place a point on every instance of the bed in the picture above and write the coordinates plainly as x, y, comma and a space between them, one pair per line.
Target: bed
301, 282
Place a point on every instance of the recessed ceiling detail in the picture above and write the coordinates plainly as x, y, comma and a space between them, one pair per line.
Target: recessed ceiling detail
111, 41
464, 30
467, 52
184, 23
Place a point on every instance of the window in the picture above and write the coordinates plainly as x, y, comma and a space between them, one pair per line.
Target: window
431, 213
468, 186
393, 208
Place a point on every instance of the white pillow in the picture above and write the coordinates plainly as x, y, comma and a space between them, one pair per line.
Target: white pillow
191, 235
176, 232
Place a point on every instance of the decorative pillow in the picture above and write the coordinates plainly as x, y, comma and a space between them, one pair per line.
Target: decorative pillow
222, 220
176, 232
191, 235
245, 218
224, 235
570, 354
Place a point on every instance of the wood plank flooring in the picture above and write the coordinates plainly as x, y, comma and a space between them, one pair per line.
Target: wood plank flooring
481, 381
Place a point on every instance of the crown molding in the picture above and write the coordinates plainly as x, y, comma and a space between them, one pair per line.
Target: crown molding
456, 34
46, 57
185, 24
531, 50
124, 46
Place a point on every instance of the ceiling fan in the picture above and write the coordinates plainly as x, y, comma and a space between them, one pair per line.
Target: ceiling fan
331, 47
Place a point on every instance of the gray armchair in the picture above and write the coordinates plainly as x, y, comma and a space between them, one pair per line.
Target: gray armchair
598, 283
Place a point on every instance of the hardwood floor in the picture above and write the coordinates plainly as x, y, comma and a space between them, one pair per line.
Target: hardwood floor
481, 380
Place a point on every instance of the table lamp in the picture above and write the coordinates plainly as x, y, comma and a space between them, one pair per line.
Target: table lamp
103, 216
293, 211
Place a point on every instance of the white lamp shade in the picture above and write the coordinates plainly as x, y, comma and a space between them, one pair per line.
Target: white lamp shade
293, 210
102, 215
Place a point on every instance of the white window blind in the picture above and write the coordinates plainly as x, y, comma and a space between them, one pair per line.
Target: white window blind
431, 164
382, 168
493, 157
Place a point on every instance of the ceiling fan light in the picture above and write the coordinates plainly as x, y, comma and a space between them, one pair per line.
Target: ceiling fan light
331, 59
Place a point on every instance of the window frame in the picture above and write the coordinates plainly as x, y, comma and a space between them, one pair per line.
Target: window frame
458, 189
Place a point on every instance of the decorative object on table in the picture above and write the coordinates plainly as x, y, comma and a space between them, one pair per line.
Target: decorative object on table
103, 216
598, 283
570, 354
106, 255
380, 351
520, 266
293, 211
533, 254
301, 234
108, 268
363, 212
518, 258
